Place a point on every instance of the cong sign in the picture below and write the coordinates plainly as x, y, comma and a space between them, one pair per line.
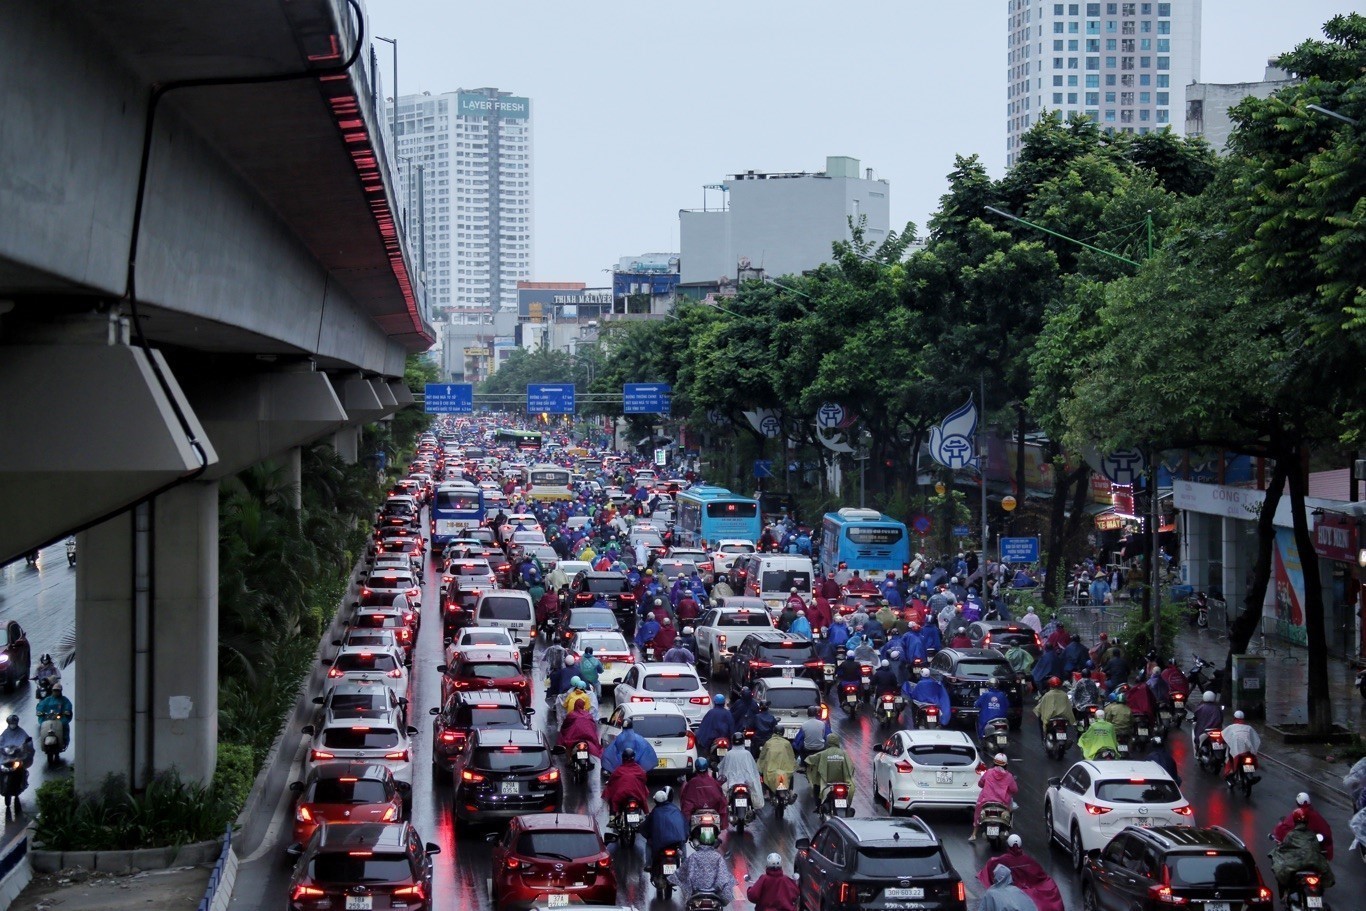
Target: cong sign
449, 398
646, 398
1019, 550
550, 398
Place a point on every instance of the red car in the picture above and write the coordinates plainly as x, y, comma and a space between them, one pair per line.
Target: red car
553, 859
363, 865
345, 792
486, 669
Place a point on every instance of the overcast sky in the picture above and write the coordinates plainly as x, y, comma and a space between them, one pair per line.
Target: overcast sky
636, 103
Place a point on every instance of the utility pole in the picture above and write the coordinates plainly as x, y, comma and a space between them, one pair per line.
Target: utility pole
982, 472
1155, 521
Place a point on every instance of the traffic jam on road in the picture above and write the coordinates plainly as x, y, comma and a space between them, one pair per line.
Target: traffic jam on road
568, 679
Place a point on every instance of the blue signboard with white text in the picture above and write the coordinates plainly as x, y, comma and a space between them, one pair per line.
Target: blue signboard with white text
550, 398
1019, 550
645, 398
449, 398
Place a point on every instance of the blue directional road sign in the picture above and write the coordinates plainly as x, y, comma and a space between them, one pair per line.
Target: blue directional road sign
645, 398
763, 468
550, 398
449, 398
1019, 550
961, 531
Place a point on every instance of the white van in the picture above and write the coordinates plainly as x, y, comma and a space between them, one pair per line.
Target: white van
511, 610
773, 576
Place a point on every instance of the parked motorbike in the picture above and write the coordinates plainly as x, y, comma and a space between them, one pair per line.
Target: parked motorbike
1245, 774
664, 867
1198, 610
1203, 676
889, 708
70, 551
740, 807
996, 735
13, 780
1211, 750
1056, 738
835, 801
996, 823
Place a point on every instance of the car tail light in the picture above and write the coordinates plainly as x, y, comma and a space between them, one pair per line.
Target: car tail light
414, 891
548, 777
981, 767
449, 736
513, 864
602, 862
642, 699
1263, 896
825, 712
467, 775
692, 740
846, 893
760, 663
1096, 809
959, 892
304, 893
390, 814
303, 814
396, 673
1164, 895
814, 663
365, 593
397, 755
319, 755
904, 767
699, 700
1184, 810
334, 672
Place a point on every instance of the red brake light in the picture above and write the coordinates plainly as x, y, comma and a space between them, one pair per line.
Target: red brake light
1216, 735
301, 893
1164, 895
449, 736
642, 699
759, 662
1097, 810
959, 892
699, 700
303, 814
552, 775
904, 767
414, 891
1311, 880
319, 755
1185, 810
692, 740
841, 790
397, 755
334, 672
467, 775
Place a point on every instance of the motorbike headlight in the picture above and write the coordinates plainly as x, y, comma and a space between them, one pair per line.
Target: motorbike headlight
4, 658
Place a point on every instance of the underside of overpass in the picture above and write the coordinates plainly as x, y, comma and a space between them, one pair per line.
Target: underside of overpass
200, 269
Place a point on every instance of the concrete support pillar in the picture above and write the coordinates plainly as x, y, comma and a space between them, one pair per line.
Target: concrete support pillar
293, 461
1195, 547
147, 605
1234, 570
346, 442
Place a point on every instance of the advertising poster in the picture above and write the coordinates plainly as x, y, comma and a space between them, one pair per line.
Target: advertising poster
1287, 581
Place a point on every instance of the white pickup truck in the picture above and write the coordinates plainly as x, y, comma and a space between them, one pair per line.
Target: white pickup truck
720, 629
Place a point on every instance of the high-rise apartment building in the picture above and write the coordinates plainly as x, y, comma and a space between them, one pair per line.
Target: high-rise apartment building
1123, 64
465, 159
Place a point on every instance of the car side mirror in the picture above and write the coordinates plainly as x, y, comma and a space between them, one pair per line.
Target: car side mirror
879, 748
1054, 782
296, 786
441, 668
412, 731
434, 710
558, 750
403, 700
492, 837
295, 850
609, 838
529, 712
431, 848
336, 642
803, 844
308, 730
319, 700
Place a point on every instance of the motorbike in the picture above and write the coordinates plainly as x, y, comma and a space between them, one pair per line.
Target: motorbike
995, 820
849, 697
44, 687
1085, 715
13, 780
1210, 751
889, 708
740, 807
51, 737
706, 901
835, 801
580, 762
926, 716
1244, 774
1305, 892
1143, 728
828, 674
866, 682
996, 735
649, 651
1165, 719
70, 551
663, 868
705, 820
1198, 610
782, 797
629, 820
31, 558
1178, 709
1056, 738
719, 748
1203, 676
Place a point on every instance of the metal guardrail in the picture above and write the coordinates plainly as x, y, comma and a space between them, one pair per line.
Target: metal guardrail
218, 873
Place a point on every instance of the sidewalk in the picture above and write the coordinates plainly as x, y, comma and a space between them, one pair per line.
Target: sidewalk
1286, 667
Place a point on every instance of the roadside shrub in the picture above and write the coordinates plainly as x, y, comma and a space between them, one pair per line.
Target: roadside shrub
234, 773
169, 813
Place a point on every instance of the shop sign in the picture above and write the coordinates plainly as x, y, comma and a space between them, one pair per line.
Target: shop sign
1335, 538
1109, 522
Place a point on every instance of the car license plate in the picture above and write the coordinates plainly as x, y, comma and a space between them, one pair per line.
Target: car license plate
916, 892
943, 778
663, 764
742, 802
556, 900
670, 869
359, 902
607, 665
841, 803
510, 787
993, 831
789, 671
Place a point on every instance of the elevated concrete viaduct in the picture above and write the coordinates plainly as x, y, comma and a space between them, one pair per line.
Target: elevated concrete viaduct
201, 268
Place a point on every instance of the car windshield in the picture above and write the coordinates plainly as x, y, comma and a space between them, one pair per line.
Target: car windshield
983, 669
943, 754
792, 652
1217, 871
745, 618
504, 609
349, 790
648, 538
382, 638
378, 621
489, 670
388, 581
360, 703
1138, 791
603, 644
360, 738
488, 636
784, 580
671, 683
470, 569
606, 585
737, 548
795, 697
901, 863
456, 499
360, 867
511, 759
559, 845
399, 508
502, 716
649, 726
592, 619
366, 661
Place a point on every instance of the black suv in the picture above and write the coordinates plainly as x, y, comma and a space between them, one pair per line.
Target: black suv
471, 711
851, 864
503, 773
615, 590
357, 863
1151, 869
773, 654
965, 672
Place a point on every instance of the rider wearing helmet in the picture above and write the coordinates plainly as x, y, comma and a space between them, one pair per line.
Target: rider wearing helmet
627, 780
990, 705
812, 733
829, 766
47, 672
15, 736
718, 722
1053, 704
705, 869
703, 793
775, 890
1099, 736
1299, 850
1208, 716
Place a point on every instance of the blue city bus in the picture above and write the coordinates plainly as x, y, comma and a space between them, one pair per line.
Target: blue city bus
456, 507
865, 540
711, 514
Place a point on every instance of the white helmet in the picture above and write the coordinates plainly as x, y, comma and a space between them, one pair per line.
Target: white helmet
662, 795
1100, 714
1301, 798
924, 672
1014, 841
885, 663
1208, 696
773, 862
1238, 715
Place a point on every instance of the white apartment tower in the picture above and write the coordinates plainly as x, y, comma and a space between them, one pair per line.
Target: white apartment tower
466, 155
1124, 64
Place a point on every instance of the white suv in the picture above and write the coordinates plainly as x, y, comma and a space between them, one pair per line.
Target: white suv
668, 683
354, 740
1097, 798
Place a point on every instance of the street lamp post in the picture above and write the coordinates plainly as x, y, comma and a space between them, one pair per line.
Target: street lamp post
393, 43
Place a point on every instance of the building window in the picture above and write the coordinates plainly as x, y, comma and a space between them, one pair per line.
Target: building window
1093, 45
1162, 116
1093, 9
1072, 63
1109, 63
1057, 81
1164, 45
1145, 62
1057, 98
1093, 82
1164, 9
1143, 114
1057, 45
1093, 98
1093, 63
1109, 97
1112, 44
1164, 28
1072, 81
1057, 63
1057, 28
1164, 81
1162, 98
1109, 116
1071, 97
1093, 27
1146, 98
1164, 63
1111, 26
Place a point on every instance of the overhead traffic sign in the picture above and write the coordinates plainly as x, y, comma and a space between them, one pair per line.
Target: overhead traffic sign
448, 398
961, 531
1019, 550
645, 398
550, 398
763, 468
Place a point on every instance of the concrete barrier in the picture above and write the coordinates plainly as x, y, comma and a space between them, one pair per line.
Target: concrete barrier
16, 868
190, 855
222, 878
